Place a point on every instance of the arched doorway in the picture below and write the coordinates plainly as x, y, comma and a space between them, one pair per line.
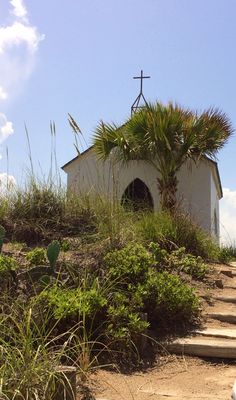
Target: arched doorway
137, 196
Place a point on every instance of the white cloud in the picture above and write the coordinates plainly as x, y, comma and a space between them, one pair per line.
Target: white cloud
18, 34
19, 42
7, 183
228, 217
19, 9
3, 94
6, 128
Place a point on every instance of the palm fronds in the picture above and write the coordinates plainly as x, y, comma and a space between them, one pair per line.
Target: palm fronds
166, 136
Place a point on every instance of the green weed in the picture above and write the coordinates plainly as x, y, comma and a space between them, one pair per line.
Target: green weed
37, 256
65, 245
7, 264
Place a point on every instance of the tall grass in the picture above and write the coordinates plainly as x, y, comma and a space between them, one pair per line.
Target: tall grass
39, 335
174, 231
63, 323
32, 211
227, 253
29, 354
42, 212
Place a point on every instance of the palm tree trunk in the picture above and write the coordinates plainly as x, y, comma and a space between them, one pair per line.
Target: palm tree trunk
168, 188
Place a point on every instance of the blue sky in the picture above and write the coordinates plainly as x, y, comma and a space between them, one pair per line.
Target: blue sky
79, 56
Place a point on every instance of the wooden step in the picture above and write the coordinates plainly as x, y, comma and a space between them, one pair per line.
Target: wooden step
227, 333
204, 347
223, 316
230, 286
233, 264
226, 299
227, 272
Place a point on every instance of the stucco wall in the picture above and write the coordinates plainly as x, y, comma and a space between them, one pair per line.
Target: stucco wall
194, 192
197, 192
88, 175
215, 217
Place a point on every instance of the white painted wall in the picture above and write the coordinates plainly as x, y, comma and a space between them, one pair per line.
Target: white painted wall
194, 192
215, 217
197, 192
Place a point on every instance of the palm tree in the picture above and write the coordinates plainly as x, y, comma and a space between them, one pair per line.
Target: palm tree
166, 137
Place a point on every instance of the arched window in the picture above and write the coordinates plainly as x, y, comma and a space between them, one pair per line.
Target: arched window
137, 196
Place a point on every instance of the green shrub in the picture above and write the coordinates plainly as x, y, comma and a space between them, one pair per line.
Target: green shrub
161, 295
161, 256
188, 263
75, 302
124, 324
167, 299
129, 264
179, 261
7, 264
37, 256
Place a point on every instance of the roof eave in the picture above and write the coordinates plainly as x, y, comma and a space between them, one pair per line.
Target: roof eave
77, 157
217, 175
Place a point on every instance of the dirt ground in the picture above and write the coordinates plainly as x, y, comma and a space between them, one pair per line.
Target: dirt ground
176, 379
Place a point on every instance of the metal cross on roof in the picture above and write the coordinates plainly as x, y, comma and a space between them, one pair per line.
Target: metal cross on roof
135, 106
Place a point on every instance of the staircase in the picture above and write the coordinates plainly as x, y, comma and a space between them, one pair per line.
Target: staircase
218, 337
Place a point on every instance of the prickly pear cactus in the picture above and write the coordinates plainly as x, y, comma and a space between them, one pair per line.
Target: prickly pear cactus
53, 251
2, 236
